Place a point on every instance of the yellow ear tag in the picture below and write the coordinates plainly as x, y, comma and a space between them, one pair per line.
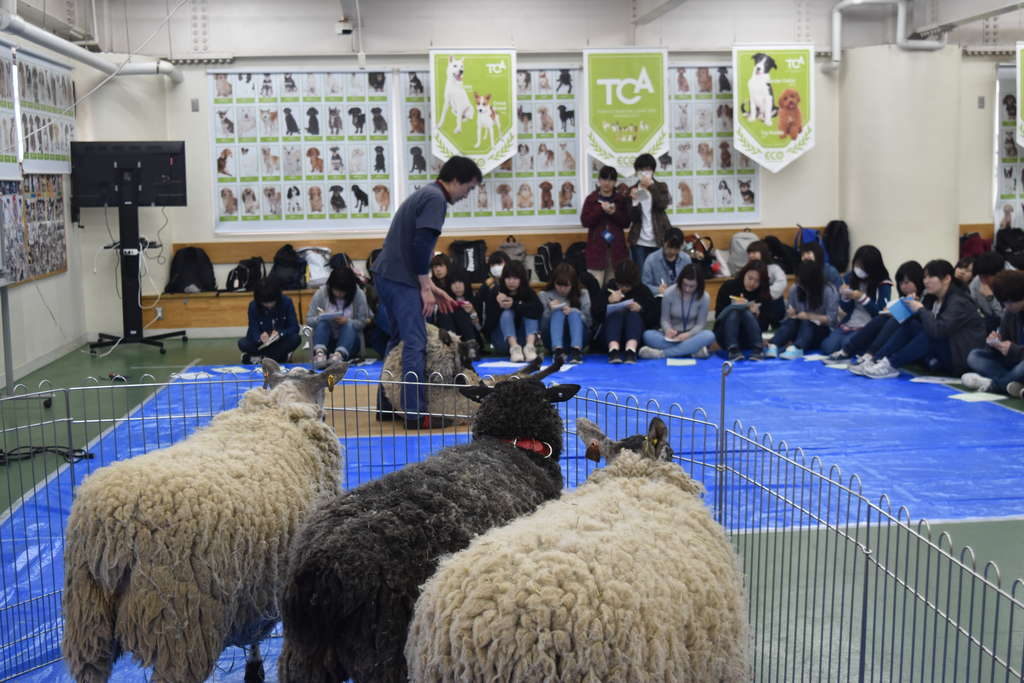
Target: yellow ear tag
330, 382
266, 375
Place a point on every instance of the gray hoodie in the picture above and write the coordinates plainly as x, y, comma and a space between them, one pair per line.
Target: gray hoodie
358, 312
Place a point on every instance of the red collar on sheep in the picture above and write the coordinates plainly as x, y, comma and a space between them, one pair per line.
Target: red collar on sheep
539, 447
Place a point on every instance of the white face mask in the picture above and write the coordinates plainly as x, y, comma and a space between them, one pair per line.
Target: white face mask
496, 270
646, 174
859, 272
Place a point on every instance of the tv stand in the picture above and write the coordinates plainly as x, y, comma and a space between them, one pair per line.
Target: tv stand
129, 248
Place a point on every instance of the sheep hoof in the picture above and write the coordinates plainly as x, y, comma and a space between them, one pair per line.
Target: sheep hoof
254, 672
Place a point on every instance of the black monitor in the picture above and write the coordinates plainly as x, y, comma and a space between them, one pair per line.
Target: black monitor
134, 173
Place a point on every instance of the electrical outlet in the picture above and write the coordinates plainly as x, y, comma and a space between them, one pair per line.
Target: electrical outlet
159, 310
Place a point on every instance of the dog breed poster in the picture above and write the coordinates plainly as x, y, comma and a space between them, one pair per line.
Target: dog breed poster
47, 123
773, 104
473, 102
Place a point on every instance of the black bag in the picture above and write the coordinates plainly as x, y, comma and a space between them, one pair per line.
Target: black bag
576, 253
471, 257
837, 244
289, 268
191, 271
548, 256
1009, 240
244, 276
784, 255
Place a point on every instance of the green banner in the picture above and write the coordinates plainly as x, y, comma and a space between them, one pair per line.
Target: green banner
626, 105
474, 100
774, 102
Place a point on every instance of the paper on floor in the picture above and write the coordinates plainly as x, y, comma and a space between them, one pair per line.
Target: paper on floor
977, 396
928, 379
680, 362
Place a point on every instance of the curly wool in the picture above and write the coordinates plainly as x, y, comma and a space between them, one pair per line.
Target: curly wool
175, 554
627, 578
359, 561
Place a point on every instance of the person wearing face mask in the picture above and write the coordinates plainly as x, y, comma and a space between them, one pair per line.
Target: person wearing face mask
871, 340
605, 215
566, 308
495, 265
684, 314
865, 291
951, 327
999, 367
513, 313
648, 221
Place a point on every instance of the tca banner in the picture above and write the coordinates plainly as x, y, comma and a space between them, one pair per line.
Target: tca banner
774, 102
626, 109
473, 98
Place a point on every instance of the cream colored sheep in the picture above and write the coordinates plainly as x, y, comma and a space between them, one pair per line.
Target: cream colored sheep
627, 578
177, 553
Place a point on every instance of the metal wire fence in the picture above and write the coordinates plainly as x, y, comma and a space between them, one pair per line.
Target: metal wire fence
839, 587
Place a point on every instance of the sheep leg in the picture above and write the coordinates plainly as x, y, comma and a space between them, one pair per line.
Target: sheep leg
295, 666
90, 647
254, 665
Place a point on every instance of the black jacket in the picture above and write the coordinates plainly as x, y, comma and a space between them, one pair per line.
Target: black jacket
650, 307
959, 321
734, 287
526, 304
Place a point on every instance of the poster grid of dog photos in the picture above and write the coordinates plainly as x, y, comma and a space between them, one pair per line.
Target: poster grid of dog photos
540, 182
9, 168
32, 225
47, 115
1009, 208
291, 148
710, 181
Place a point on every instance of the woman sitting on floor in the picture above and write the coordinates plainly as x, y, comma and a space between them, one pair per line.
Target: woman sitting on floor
684, 314
811, 308
950, 327
865, 291
337, 313
741, 312
999, 367
869, 340
512, 314
566, 305
631, 310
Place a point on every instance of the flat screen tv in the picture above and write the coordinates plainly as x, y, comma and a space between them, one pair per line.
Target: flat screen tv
128, 173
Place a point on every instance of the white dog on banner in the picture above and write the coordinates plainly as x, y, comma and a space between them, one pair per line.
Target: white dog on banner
455, 96
759, 88
486, 118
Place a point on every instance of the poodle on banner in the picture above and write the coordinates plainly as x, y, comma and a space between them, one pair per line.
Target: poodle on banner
774, 103
626, 105
474, 100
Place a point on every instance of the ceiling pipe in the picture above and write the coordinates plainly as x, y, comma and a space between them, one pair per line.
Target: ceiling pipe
658, 12
15, 25
901, 30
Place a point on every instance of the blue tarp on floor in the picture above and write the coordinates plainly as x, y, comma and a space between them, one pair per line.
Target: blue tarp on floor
941, 458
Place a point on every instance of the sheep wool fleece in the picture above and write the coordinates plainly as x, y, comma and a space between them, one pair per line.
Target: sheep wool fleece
627, 578
175, 554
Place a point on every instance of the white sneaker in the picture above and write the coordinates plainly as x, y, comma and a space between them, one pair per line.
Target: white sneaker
975, 382
319, 358
860, 368
649, 353
702, 353
529, 353
1015, 389
881, 370
515, 354
838, 355
772, 351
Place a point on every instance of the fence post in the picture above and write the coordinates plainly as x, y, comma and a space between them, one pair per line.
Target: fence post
720, 455
866, 548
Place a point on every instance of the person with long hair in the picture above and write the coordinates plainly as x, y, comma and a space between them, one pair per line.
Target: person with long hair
742, 312
868, 341
684, 314
605, 215
463, 319
811, 308
566, 307
631, 310
864, 292
999, 366
273, 330
512, 314
338, 312
951, 327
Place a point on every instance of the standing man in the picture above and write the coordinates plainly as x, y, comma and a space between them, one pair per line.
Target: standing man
402, 275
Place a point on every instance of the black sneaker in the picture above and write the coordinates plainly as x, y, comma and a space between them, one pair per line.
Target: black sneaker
735, 355
246, 359
429, 422
630, 356
558, 354
757, 355
576, 356
615, 356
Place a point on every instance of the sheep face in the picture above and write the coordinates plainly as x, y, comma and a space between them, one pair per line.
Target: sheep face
654, 445
311, 385
521, 408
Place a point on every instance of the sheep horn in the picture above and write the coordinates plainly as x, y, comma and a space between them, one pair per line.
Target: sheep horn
555, 366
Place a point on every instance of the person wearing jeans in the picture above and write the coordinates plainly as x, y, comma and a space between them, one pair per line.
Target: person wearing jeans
512, 314
741, 311
566, 305
270, 313
684, 313
631, 309
999, 367
811, 311
337, 313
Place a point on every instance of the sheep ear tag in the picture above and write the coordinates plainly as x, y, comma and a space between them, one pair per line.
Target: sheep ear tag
331, 382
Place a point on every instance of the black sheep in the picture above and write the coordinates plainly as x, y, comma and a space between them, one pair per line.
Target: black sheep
359, 559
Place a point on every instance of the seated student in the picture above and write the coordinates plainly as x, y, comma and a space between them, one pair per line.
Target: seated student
461, 291
337, 313
950, 328
964, 272
440, 265
999, 367
775, 310
865, 291
738, 325
662, 267
566, 305
463, 320
631, 309
684, 314
811, 308
870, 339
271, 314
986, 266
512, 314
605, 215
812, 251
495, 266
